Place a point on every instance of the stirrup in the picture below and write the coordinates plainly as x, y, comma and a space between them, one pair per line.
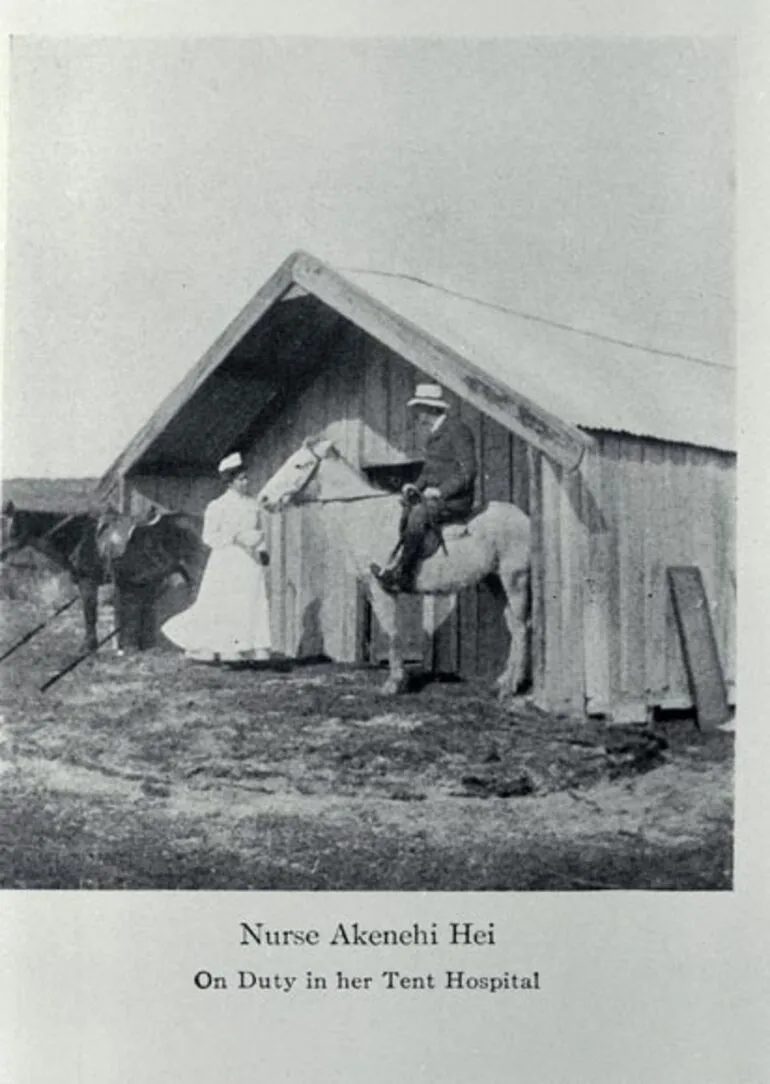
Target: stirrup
387, 578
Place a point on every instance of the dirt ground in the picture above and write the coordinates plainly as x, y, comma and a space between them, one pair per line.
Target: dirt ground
148, 771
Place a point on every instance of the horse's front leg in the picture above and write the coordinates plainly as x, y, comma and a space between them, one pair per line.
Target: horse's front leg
386, 610
89, 597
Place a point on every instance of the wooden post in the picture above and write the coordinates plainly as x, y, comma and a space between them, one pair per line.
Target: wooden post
537, 581
124, 496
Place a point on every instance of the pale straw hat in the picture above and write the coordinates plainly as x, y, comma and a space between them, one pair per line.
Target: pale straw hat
429, 395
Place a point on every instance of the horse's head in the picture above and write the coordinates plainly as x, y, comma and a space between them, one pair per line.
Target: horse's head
15, 529
113, 533
9, 527
8, 520
292, 481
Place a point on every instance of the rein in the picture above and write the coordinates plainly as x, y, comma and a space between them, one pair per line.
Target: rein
346, 500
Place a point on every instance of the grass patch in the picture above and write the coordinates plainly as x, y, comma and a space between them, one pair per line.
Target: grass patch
313, 779
61, 841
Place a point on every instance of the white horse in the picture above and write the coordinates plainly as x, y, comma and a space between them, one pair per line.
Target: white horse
365, 521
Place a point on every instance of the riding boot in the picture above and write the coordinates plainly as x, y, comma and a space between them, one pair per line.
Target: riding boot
393, 580
409, 558
400, 578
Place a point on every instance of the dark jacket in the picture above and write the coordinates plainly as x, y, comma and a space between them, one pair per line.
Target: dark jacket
450, 464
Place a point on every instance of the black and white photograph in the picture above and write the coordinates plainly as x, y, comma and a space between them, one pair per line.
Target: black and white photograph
369, 465
383, 590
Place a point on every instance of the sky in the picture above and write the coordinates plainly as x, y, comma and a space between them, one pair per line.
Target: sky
153, 185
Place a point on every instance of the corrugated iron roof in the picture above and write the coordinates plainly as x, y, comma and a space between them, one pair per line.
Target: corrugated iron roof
587, 379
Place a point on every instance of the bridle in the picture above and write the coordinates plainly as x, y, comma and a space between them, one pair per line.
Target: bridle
327, 500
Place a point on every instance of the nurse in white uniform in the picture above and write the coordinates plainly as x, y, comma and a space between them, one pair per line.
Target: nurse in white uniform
229, 619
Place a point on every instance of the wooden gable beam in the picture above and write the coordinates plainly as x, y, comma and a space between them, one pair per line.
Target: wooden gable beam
560, 441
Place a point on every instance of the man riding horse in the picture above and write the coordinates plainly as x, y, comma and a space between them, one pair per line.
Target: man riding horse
444, 490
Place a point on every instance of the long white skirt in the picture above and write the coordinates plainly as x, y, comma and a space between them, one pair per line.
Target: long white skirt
230, 616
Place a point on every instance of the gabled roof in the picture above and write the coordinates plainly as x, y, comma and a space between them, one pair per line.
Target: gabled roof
587, 379
543, 381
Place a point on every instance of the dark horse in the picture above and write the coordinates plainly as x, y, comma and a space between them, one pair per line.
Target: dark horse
139, 557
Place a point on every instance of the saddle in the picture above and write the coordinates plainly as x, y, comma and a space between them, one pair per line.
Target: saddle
439, 534
136, 549
114, 530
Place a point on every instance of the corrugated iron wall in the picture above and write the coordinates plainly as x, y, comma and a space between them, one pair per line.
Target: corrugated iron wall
608, 535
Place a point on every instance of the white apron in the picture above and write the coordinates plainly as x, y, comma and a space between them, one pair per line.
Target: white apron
230, 616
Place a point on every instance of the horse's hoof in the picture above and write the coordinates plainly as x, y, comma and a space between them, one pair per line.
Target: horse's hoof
395, 686
510, 695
